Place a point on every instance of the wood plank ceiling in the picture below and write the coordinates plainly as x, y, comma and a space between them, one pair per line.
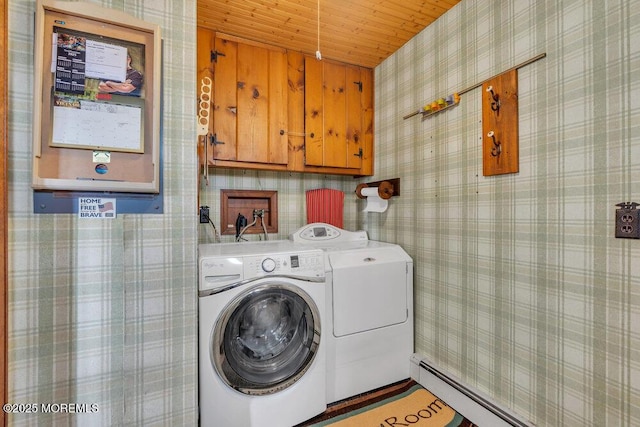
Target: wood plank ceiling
360, 32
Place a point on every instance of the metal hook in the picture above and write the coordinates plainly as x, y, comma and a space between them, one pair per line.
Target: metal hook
497, 147
495, 105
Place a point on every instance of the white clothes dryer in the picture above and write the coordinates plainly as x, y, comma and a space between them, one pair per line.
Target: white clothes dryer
369, 321
261, 346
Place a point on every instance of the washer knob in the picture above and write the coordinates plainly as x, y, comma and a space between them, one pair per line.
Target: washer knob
268, 265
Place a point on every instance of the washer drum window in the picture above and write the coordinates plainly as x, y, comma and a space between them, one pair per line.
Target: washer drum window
266, 338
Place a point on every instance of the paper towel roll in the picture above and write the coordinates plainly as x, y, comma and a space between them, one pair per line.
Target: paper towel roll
374, 202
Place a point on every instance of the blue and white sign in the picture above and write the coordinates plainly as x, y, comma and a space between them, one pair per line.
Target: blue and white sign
96, 207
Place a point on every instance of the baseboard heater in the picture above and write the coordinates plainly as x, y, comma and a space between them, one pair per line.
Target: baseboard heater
475, 406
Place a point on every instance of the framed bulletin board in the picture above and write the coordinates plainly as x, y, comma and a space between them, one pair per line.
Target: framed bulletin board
96, 115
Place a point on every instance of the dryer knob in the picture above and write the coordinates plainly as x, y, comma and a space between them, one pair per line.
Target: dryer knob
268, 265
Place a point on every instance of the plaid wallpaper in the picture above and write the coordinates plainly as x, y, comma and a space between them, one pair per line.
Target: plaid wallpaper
104, 312
521, 288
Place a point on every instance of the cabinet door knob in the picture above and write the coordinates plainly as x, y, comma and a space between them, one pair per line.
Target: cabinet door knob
312, 135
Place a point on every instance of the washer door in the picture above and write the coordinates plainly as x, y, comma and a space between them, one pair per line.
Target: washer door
266, 338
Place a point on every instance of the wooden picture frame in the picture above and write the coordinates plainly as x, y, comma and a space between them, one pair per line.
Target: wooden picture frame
96, 115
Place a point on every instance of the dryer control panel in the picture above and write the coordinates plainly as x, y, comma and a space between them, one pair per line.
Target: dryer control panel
321, 232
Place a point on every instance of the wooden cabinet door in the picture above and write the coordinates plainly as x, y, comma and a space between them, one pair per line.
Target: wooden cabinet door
366, 138
354, 116
224, 144
262, 104
249, 106
335, 114
313, 112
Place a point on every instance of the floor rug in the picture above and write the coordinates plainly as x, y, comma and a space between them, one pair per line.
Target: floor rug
404, 404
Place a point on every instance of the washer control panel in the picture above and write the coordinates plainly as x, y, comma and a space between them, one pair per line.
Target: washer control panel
223, 266
304, 264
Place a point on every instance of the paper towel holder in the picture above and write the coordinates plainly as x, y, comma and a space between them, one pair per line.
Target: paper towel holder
386, 189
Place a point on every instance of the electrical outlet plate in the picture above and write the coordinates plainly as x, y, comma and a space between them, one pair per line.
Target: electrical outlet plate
627, 221
204, 214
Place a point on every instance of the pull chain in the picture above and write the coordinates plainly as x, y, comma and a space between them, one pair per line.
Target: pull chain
318, 54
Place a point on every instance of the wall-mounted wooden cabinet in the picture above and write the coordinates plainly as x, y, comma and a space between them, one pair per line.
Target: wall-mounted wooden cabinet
278, 110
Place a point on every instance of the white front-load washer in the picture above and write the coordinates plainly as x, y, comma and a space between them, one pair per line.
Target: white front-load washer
261, 346
369, 322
